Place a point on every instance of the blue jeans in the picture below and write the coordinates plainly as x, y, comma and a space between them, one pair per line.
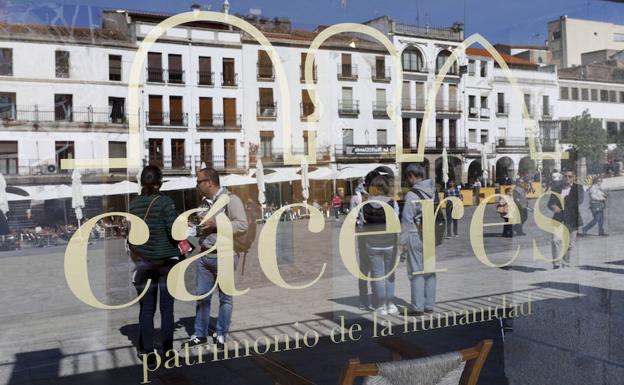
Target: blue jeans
598, 217
364, 263
381, 262
158, 275
423, 286
206, 277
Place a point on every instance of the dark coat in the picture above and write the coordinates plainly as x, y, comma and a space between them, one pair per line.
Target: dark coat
570, 215
159, 220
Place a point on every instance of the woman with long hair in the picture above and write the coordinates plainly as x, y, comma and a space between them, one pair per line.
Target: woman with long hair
154, 259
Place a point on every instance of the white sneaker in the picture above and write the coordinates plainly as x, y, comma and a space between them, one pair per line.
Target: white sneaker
381, 310
392, 309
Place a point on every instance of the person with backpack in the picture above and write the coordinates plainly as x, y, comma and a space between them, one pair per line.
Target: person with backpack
209, 187
381, 248
423, 286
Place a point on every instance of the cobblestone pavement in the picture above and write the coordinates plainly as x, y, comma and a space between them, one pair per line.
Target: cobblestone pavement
49, 336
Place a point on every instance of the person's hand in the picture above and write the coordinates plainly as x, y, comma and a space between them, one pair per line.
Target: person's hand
556, 209
210, 226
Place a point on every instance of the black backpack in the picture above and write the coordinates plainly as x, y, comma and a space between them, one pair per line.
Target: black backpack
439, 223
375, 219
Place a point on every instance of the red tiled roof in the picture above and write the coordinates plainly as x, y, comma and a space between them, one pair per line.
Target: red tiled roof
512, 60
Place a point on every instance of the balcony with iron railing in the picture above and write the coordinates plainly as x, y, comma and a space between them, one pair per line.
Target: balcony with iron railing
205, 78
175, 76
450, 106
302, 74
14, 166
511, 141
275, 156
380, 109
347, 72
473, 112
356, 152
454, 34
265, 72
218, 122
266, 111
223, 163
170, 164
229, 81
548, 111
114, 73
155, 75
380, 74
348, 108
157, 119
181, 164
69, 114
416, 105
161, 75
502, 109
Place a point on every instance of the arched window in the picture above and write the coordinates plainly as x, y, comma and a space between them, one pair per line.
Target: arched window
441, 59
413, 60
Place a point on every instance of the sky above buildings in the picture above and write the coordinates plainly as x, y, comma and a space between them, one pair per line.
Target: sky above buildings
500, 21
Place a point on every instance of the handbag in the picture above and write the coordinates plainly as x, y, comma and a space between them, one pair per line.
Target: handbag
132, 251
502, 208
596, 205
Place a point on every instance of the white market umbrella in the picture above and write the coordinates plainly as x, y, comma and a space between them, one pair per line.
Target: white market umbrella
305, 181
558, 157
104, 189
47, 192
4, 198
322, 173
445, 169
282, 174
77, 198
261, 185
236, 180
485, 167
181, 183
138, 178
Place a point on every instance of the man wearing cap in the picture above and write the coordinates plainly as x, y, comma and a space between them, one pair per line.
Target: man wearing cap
423, 286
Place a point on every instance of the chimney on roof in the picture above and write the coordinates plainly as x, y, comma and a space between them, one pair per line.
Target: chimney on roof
195, 7
226, 7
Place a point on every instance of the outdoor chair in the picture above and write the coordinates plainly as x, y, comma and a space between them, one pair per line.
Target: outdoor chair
472, 360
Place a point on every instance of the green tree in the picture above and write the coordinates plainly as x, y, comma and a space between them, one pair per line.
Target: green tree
588, 139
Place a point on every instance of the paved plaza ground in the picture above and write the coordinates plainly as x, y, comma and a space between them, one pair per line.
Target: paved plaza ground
573, 335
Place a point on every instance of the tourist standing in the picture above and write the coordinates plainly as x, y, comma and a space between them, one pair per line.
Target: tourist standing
210, 189
154, 259
597, 205
451, 191
423, 286
567, 215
